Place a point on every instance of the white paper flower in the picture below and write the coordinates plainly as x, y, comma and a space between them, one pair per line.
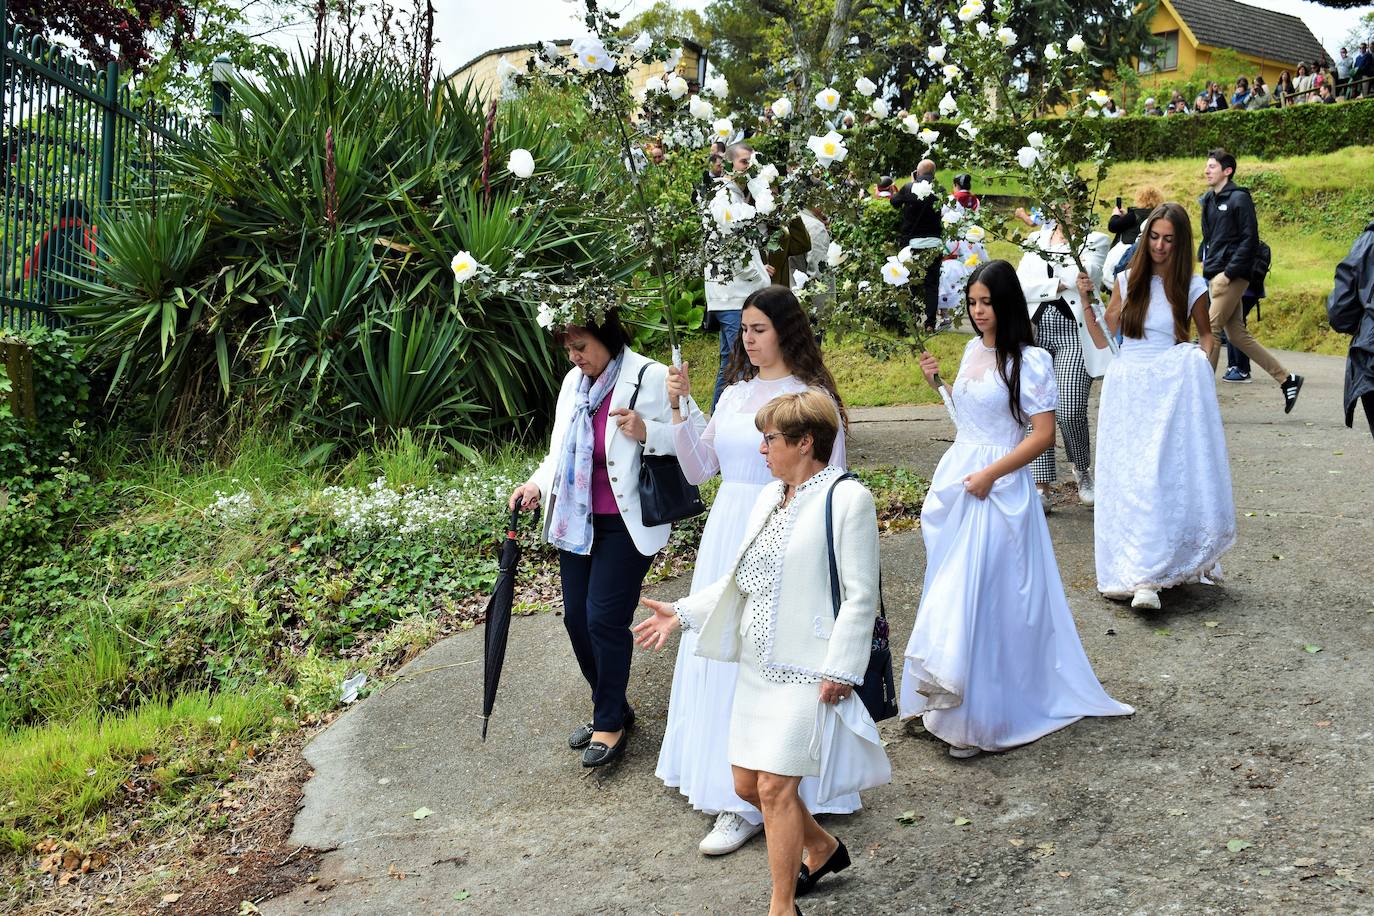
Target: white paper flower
505, 70
768, 173
971, 10
549, 50
967, 130
828, 149
723, 129
972, 260
975, 234
879, 109
983, 29
1006, 36
728, 213
700, 109
951, 72
1027, 156
1076, 44
1090, 112
782, 108
642, 44
717, 86
936, 53
948, 106
591, 54
1099, 97
865, 86
545, 316
655, 84
677, 87
1036, 140
800, 278
922, 189
521, 163
895, 273
912, 124
1051, 52
464, 266
951, 215
674, 58
834, 255
764, 202
827, 99
929, 136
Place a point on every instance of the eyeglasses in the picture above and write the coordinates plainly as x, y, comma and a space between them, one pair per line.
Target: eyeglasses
769, 437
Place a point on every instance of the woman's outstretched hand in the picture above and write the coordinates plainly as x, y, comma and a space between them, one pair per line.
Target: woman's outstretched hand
652, 633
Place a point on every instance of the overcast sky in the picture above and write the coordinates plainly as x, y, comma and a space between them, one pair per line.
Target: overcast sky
467, 28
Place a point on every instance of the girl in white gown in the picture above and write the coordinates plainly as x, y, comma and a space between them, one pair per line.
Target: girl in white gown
1165, 513
775, 354
994, 660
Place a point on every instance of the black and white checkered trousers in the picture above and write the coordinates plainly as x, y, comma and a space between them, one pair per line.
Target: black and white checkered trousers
1058, 334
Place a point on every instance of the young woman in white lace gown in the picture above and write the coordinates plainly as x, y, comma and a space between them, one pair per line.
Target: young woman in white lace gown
775, 354
994, 660
1165, 513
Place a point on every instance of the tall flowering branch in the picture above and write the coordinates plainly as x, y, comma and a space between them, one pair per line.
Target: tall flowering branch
331, 182
486, 153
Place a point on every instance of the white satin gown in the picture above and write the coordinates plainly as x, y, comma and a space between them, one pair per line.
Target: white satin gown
694, 756
1165, 513
994, 661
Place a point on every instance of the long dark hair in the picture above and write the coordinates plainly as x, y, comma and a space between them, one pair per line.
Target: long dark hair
1014, 329
796, 340
1177, 275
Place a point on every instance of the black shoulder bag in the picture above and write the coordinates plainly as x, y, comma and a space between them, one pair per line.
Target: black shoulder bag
878, 691
665, 496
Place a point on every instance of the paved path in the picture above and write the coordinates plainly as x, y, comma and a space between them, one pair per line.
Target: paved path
1241, 734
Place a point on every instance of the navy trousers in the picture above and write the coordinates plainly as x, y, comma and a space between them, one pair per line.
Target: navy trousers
600, 594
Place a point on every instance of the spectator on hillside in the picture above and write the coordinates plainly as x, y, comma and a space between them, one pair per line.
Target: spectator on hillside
1152, 108
1304, 83
1176, 98
1345, 69
1351, 311
1110, 110
1216, 99
963, 192
1241, 97
1200, 105
1126, 223
1260, 97
1365, 69
1325, 94
1284, 90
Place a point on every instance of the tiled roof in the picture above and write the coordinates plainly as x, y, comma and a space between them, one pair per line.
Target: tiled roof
1276, 37
534, 45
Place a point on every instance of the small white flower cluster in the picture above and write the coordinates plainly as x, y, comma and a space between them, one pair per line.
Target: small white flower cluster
436, 512
229, 508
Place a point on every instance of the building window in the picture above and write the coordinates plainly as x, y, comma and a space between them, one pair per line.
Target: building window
1164, 57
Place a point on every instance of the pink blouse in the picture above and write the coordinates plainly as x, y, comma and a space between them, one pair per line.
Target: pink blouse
603, 497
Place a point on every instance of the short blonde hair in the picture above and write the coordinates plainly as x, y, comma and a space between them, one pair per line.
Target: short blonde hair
1149, 196
811, 412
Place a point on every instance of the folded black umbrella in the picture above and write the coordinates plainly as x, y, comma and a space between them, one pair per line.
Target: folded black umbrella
498, 614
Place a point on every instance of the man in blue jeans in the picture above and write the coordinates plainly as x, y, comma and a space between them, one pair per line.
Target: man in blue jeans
725, 295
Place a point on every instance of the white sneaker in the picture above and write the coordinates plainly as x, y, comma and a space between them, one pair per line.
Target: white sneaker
963, 753
730, 833
1044, 499
1086, 493
1146, 598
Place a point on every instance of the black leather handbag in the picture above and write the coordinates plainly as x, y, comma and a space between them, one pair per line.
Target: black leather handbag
665, 496
878, 691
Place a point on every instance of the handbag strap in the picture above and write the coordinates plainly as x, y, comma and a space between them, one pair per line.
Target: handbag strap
639, 382
830, 551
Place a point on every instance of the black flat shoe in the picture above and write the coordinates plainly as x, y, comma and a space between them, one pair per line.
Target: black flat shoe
598, 754
838, 861
582, 735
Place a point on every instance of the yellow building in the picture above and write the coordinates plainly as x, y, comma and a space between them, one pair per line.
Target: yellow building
1193, 30
484, 69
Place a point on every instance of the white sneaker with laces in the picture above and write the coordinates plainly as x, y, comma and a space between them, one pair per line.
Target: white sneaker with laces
963, 753
1086, 493
730, 833
1146, 598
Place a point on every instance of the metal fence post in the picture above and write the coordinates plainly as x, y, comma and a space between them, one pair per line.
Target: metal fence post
107, 134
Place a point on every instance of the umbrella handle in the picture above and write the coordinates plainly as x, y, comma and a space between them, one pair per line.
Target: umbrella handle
514, 527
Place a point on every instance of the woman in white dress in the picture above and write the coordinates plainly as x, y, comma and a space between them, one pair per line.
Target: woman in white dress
794, 714
994, 661
775, 354
1164, 513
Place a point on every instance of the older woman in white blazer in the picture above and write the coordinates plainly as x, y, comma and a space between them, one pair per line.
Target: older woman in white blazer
590, 480
794, 712
1049, 278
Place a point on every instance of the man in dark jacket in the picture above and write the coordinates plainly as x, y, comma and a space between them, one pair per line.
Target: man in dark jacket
1351, 310
918, 228
1230, 241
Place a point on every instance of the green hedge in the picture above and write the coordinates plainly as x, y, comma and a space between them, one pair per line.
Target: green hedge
1269, 134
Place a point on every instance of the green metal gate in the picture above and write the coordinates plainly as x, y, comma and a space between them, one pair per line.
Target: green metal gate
74, 151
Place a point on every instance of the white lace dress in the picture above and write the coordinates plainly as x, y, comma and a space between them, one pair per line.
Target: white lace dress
1164, 513
694, 757
994, 660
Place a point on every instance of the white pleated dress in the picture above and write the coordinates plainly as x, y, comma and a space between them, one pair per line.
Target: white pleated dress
1165, 513
694, 757
994, 660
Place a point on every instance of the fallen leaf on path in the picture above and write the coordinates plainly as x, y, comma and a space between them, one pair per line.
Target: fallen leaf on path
421, 813
1063, 874
1177, 812
907, 817
1238, 845
1304, 862
170, 898
1042, 851
1311, 649
1163, 631
232, 871
461, 895
962, 822
1278, 556
396, 873
1211, 624
1017, 842
246, 908
1324, 723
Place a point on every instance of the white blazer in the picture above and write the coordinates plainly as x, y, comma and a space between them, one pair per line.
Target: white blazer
1040, 277
622, 452
804, 634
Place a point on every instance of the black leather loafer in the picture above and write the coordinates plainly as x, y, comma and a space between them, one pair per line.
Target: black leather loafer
598, 754
838, 861
581, 737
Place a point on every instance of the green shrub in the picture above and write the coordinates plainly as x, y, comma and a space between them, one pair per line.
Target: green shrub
61, 391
